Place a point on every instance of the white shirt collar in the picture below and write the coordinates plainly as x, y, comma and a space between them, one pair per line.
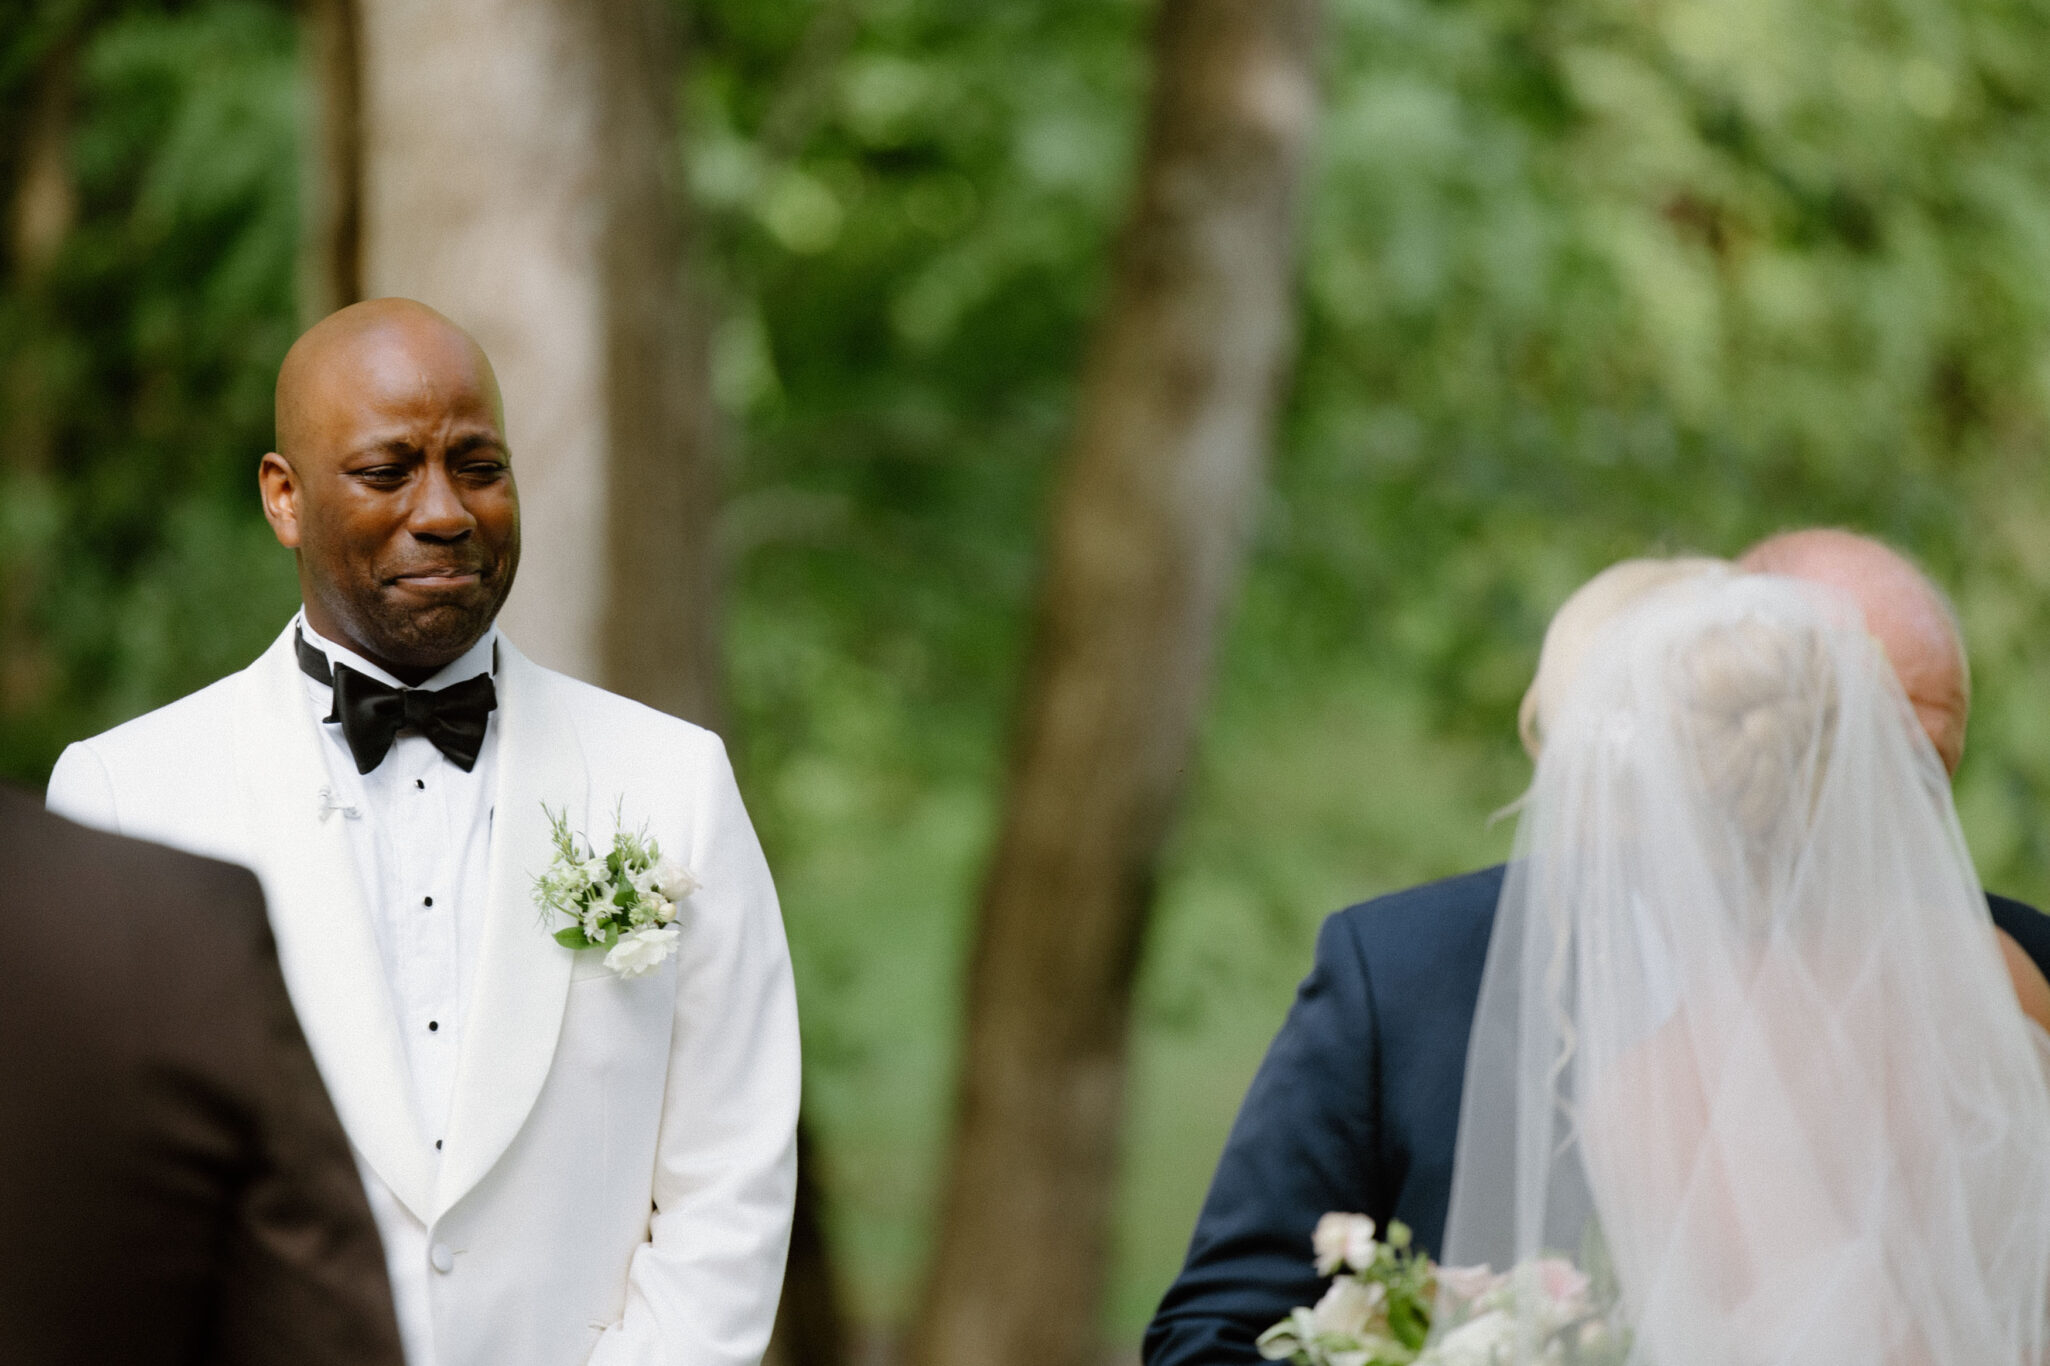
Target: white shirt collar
480, 658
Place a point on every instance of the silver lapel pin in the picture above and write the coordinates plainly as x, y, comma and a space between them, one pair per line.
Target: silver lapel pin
328, 806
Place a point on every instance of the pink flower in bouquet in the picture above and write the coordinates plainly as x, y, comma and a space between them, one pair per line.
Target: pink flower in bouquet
1467, 1283
1563, 1284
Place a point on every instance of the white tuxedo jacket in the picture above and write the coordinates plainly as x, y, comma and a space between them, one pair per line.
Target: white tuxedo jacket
617, 1173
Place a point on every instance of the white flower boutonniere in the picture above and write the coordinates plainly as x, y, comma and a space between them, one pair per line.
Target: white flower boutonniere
624, 902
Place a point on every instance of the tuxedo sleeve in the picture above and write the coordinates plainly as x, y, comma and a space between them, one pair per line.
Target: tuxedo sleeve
81, 790
702, 1290
1295, 1153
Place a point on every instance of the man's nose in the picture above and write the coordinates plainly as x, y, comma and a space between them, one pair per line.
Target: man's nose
439, 513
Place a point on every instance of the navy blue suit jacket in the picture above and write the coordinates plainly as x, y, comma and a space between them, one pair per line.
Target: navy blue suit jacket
1356, 1108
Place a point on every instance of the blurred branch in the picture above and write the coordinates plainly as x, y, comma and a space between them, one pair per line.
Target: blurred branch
804, 92
41, 213
45, 200
1178, 400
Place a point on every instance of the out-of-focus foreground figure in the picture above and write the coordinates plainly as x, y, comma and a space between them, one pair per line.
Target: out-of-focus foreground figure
174, 1185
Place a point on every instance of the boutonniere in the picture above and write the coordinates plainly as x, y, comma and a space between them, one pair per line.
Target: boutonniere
623, 902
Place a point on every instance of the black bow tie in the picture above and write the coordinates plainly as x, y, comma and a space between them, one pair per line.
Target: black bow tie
372, 713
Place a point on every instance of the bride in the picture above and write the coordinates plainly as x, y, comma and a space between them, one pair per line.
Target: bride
1747, 1048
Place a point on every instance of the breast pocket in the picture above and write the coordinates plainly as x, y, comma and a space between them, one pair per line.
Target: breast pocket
613, 1056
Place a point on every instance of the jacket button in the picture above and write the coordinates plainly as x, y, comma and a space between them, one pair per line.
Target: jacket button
443, 1260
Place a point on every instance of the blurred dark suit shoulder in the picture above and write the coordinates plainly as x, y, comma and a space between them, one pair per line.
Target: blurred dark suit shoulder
2026, 925
174, 1185
1356, 1108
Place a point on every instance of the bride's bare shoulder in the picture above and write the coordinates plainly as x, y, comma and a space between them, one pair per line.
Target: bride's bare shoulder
2030, 986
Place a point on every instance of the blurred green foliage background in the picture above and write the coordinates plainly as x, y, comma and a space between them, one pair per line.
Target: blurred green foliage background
1583, 278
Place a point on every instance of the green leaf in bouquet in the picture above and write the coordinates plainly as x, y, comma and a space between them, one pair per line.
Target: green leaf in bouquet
573, 938
1599, 1266
1409, 1321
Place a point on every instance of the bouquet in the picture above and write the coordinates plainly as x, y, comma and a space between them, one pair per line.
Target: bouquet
1385, 1298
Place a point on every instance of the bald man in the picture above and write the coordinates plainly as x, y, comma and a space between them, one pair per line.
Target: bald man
1356, 1107
575, 1151
1912, 620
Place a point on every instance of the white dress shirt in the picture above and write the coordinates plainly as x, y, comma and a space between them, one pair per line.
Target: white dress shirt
420, 828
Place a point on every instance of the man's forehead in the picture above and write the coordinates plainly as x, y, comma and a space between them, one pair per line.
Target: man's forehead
401, 358
370, 385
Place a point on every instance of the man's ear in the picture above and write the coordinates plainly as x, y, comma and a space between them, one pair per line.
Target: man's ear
279, 487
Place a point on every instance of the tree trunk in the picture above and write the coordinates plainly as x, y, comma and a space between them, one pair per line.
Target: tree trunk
1178, 398
518, 169
519, 174
811, 1329
331, 164
660, 628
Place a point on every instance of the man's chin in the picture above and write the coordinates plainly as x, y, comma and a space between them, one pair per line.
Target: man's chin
434, 635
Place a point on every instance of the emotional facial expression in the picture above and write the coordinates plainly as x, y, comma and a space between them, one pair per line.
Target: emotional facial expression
397, 491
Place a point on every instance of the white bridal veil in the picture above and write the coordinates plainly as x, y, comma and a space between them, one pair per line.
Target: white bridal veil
1746, 1051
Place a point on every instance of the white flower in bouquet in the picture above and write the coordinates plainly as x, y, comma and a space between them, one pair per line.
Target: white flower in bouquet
1348, 1307
674, 880
1293, 1338
641, 950
1377, 1309
1549, 1298
1481, 1341
1343, 1240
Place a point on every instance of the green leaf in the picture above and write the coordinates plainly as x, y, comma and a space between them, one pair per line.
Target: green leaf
573, 938
1408, 1322
559, 833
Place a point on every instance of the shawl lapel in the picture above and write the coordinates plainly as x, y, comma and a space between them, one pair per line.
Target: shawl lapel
522, 981
326, 942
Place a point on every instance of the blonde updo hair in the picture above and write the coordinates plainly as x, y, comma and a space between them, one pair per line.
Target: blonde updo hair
1579, 621
1758, 696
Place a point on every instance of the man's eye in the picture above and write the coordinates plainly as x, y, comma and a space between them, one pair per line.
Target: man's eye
381, 474
484, 471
